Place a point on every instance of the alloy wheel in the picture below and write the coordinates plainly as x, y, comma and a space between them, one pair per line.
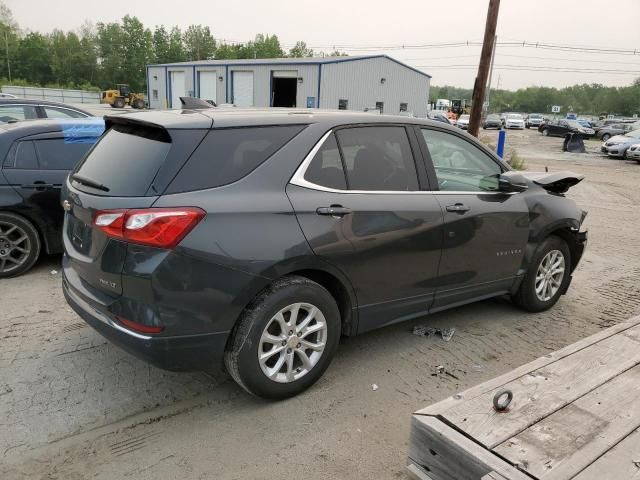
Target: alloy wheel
292, 343
15, 247
549, 275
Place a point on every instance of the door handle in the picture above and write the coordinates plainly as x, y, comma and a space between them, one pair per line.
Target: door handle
334, 211
458, 208
38, 185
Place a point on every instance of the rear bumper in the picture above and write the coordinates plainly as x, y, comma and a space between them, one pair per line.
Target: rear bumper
192, 352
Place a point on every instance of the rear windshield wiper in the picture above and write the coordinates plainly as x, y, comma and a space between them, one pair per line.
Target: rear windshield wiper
88, 182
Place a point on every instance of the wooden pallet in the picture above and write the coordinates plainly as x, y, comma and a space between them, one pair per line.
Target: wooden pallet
575, 414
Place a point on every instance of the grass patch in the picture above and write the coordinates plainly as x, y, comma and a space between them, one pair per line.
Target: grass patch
516, 161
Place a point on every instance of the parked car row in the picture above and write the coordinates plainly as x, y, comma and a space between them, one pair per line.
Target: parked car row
619, 145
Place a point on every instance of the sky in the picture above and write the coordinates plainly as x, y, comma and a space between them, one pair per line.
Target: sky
409, 30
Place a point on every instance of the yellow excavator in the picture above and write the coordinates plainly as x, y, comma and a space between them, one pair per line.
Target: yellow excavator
122, 96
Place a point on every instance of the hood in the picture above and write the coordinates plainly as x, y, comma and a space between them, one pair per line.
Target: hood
557, 182
622, 139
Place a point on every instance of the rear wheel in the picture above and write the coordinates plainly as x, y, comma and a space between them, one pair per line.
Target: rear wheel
19, 245
285, 339
118, 103
138, 104
545, 132
547, 276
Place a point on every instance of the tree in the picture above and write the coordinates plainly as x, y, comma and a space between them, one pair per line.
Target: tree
264, 46
199, 43
137, 50
176, 51
300, 50
33, 59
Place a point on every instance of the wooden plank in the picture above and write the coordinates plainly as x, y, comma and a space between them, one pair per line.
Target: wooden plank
565, 443
622, 462
496, 383
445, 454
545, 391
417, 473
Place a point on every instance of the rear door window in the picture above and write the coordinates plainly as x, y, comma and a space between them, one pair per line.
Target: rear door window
227, 155
378, 159
22, 156
126, 160
55, 112
17, 113
56, 154
326, 167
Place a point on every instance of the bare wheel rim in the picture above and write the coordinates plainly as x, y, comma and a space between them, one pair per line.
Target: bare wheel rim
292, 343
14, 247
550, 275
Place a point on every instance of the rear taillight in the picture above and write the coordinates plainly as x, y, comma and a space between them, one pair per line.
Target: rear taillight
139, 327
155, 227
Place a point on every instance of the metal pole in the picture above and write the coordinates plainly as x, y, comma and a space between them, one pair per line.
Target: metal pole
483, 69
6, 44
493, 61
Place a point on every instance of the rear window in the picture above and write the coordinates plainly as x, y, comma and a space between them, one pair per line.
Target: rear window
126, 160
227, 155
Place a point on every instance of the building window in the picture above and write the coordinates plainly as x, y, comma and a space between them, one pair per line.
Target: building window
380, 107
403, 107
343, 104
155, 94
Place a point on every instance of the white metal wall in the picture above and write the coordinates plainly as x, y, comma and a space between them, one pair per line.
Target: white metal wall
360, 83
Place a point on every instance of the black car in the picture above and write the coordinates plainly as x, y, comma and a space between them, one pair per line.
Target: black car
35, 157
492, 121
258, 238
19, 109
560, 128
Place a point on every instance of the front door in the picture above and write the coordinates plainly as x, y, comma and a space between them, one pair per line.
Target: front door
376, 223
485, 231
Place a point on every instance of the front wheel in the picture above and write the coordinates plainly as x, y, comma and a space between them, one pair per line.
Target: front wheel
545, 132
285, 339
547, 277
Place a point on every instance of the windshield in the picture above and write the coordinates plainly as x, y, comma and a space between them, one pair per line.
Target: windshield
574, 123
514, 116
633, 134
535, 115
493, 118
464, 117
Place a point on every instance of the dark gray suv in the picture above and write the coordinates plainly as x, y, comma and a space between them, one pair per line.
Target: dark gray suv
258, 238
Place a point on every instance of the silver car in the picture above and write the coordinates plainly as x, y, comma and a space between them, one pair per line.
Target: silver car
617, 146
633, 153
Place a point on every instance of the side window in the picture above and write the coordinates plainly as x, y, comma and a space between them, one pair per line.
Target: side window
25, 156
404, 107
459, 165
56, 154
343, 104
378, 158
326, 167
17, 113
229, 154
54, 112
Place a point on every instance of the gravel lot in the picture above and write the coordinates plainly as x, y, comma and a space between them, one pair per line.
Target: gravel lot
72, 406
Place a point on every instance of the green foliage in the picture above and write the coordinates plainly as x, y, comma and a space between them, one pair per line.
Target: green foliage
516, 161
199, 43
586, 99
300, 50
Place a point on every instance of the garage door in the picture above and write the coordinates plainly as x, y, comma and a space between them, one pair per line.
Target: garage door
243, 88
177, 88
207, 85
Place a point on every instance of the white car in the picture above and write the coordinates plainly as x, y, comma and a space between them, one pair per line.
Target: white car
634, 152
514, 120
463, 122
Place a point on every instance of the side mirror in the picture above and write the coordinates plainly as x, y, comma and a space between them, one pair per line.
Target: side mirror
512, 182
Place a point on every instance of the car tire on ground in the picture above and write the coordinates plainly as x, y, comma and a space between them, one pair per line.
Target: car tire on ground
19, 245
547, 277
606, 137
296, 319
545, 132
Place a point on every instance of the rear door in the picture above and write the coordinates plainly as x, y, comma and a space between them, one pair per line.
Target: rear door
378, 224
36, 167
485, 231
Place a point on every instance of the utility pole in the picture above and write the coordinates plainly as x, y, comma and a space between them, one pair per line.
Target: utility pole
493, 61
483, 69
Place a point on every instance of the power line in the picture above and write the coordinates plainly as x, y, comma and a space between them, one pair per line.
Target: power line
533, 68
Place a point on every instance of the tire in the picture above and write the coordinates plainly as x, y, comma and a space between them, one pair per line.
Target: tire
526, 297
605, 137
138, 104
118, 103
259, 318
545, 132
19, 245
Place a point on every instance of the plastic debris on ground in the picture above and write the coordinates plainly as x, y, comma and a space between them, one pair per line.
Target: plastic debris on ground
445, 333
54, 272
374, 387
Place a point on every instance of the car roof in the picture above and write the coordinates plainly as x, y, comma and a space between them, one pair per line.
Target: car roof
31, 101
237, 117
50, 125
